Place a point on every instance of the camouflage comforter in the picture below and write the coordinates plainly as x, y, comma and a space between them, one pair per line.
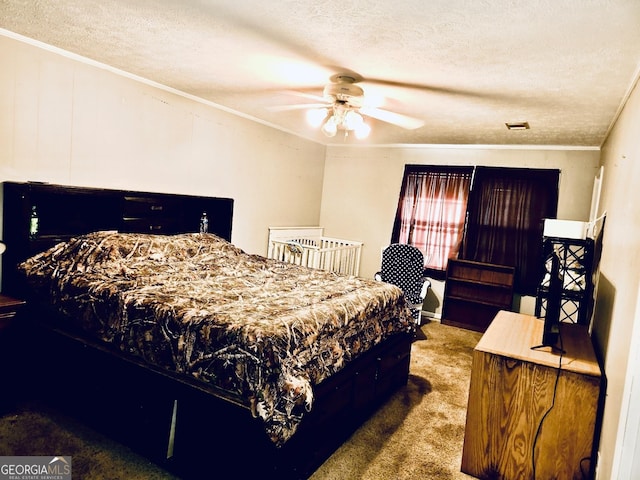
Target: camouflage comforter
263, 330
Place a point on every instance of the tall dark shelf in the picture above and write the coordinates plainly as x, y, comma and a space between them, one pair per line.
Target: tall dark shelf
475, 292
576, 268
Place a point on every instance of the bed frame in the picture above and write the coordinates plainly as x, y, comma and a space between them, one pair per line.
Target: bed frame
184, 426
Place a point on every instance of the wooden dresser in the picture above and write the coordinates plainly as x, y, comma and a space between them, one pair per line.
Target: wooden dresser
514, 386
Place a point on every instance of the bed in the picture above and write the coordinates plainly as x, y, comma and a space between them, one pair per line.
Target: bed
203, 357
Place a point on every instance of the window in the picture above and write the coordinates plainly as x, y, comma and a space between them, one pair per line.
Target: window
485, 214
431, 212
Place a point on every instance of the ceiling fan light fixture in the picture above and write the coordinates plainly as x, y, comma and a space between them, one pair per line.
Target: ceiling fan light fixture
330, 127
352, 120
348, 120
362, 131
316, 116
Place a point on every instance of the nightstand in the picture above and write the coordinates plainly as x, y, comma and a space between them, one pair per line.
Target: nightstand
9, 368
8, 309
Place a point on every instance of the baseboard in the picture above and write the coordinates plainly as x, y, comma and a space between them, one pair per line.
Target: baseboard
433, 316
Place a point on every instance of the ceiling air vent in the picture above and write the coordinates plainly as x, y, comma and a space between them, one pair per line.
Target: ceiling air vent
518, 125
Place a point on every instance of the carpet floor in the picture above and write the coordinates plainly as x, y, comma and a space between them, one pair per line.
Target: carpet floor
417, 434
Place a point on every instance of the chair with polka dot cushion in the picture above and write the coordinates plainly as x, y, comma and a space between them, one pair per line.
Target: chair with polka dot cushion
403, 266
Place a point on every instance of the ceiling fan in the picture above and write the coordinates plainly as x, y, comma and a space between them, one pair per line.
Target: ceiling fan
342, 106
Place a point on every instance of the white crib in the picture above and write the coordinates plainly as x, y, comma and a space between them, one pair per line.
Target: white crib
308, 247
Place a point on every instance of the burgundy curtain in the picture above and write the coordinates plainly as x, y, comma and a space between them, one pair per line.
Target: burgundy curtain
431, 211
506, 211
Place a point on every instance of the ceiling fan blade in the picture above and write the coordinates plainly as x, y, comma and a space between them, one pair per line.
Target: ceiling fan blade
472, 94
404, 121
310, 96
297, 106
419, 86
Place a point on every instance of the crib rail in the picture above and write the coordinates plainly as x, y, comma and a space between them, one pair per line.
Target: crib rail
306, 246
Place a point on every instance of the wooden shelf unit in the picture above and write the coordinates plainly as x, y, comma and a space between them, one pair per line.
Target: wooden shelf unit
475, 292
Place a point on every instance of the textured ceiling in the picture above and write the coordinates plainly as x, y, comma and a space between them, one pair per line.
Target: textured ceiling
463, 67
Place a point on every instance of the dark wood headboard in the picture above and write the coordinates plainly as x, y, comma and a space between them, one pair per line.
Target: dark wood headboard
64, 212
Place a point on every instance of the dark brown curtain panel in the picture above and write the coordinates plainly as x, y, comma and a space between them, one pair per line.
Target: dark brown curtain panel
505, 220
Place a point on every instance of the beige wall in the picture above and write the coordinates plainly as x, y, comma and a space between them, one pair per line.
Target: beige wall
619, 275
64, 121
361, 188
